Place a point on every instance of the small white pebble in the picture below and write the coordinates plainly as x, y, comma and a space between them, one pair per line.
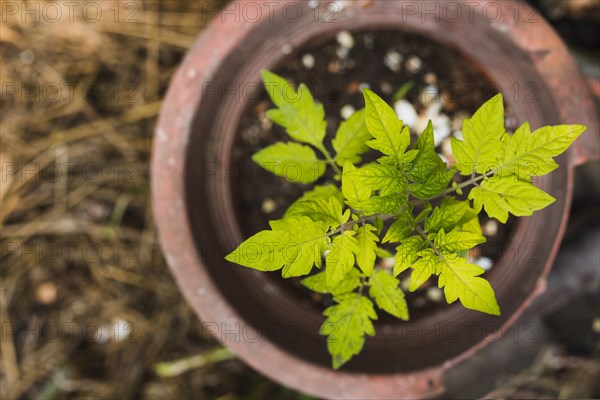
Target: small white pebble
596, 325
429, 95
407, 113
484, 263
27, 57
405, 284
363, 85
342, 52
413, 64
393, 60
308, 61
447, 148
434, 294
388, 262
457, 121
490, 228
268, 206
345, 39
347, 111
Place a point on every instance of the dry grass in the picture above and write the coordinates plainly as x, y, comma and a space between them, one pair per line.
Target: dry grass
79, 252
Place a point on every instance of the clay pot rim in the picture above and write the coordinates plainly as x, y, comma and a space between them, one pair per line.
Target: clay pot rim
168, 192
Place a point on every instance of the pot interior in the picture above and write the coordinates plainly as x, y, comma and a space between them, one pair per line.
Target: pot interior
224, 189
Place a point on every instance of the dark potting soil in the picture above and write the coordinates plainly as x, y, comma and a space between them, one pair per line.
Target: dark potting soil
336, 70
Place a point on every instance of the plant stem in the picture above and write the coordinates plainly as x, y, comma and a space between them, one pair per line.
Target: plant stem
330, 160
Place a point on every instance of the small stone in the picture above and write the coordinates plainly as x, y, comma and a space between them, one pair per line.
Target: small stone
388, 262
405, 284
345, 39
447, 148
413, 64
308, 61
430, 78
429, 95
347, 111
435, 294
386, 87
46, 293
393, 60
457, 121
27, 57
353, 87
268, 206
334, 67
484, 263
407, 113
363, 85
420, 302
490, 228
342, 52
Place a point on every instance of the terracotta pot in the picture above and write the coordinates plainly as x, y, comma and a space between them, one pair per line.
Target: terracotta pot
268, 327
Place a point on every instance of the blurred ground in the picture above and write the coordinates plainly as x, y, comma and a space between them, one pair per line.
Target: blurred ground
88, 306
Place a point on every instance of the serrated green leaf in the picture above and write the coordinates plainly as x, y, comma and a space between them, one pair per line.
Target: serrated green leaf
383, 288
318, 283
305, 245
390, 204
323, 192
262, 251
447, 215
530, 154
302, 118
398, 231
427, 160
280, 90
460, 280
482, 138
340, 259
352, 189
328, 211
383, 124
407, 253
470, 222
423, 268
435, 184
455, 241
383, 253
386, 178
346, 325
366, 251
295, 243
351, 139
293, 161
424, 213
501, 196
